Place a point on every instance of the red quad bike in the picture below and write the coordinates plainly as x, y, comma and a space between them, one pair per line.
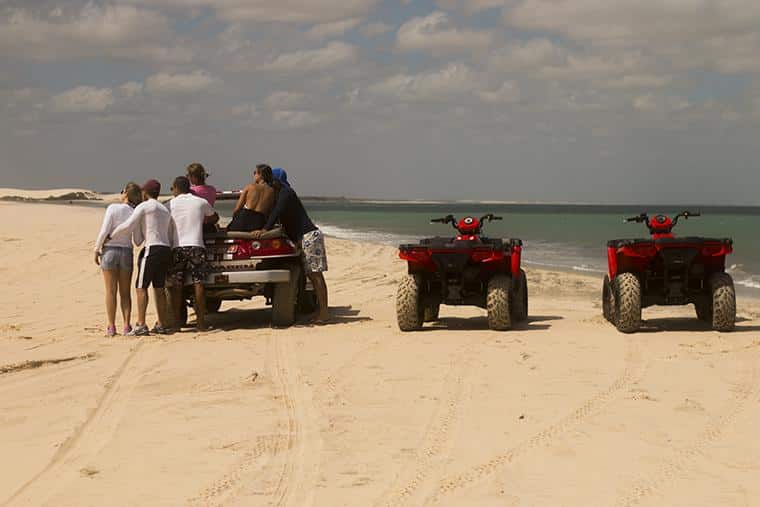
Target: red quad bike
666, 270
469, 269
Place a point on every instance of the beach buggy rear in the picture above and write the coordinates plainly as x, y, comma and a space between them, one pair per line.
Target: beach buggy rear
469, 269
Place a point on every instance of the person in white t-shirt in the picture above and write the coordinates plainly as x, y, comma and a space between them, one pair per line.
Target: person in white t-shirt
190, 213
154, 223
116, 259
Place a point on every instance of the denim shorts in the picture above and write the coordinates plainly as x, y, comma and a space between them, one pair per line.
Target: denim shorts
116, 258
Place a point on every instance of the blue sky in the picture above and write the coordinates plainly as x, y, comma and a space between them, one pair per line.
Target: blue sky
527, 100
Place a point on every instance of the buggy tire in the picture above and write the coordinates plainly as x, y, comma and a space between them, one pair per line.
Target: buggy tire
285, 299
213, 305
608, 301
409, 311
432, 312
627, 291
498, 302
723, 302
520, 299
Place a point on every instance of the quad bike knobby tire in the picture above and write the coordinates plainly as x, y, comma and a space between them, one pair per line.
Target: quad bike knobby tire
431, 313
409, 311
285, 299
627, 292
608, 300
723, 302
520, 299
498, 302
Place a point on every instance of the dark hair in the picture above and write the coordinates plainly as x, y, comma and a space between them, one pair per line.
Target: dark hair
134, 195
182, 184
197, 172
266, 173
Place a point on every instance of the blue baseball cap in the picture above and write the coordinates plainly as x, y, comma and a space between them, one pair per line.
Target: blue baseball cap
279, 174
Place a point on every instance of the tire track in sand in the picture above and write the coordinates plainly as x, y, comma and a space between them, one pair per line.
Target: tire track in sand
683, 459
438, 433
632, 372
119, 384
297, 482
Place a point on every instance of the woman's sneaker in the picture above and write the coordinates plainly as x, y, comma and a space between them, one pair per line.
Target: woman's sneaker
139, 330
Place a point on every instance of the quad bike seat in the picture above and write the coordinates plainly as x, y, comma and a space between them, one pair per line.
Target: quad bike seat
224, 234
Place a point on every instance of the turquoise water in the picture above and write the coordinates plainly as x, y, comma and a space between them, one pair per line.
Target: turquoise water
561, 236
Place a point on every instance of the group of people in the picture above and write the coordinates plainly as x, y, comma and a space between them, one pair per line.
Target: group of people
173, 246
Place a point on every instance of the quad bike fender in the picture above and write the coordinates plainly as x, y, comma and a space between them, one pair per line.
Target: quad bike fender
514, 261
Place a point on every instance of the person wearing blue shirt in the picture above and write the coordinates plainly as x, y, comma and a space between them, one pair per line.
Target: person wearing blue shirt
291, 214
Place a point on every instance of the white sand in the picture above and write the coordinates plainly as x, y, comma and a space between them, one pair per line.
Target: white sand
562, 411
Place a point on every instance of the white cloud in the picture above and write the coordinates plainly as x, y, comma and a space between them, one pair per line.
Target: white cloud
289, 11
115, 31
454, 79
284, 100
436, 32
375, 29
83, 99
507, 93
333, 28
131, 88
165, 83
295, 119
470, 6
333, 55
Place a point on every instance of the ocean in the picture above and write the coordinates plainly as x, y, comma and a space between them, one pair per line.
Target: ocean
565, 237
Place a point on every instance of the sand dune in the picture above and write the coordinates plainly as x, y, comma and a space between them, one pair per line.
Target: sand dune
560, 411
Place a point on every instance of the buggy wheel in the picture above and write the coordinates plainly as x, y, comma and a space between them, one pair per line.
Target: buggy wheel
498, 304
723, 302
431, 312
520, 299
285, 299
213, 305
627, 291
608, 300
409, 311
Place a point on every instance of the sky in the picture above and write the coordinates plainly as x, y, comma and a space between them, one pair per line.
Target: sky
645, 101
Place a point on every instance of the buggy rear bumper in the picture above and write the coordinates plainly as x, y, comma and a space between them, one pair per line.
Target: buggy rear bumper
248, 277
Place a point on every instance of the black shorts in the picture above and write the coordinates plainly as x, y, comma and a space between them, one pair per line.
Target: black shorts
188, 260
152, 265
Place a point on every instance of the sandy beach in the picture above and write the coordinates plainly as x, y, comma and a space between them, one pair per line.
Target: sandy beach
563, 410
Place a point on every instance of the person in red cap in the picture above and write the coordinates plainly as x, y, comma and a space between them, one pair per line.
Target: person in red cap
151, 224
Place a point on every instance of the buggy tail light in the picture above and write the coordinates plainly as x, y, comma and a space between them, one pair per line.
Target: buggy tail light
245, 249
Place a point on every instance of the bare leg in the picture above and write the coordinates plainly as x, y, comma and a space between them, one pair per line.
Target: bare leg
161, 309
125, 296
175, 303
200, 305
111, 279
320, 289
142, 306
